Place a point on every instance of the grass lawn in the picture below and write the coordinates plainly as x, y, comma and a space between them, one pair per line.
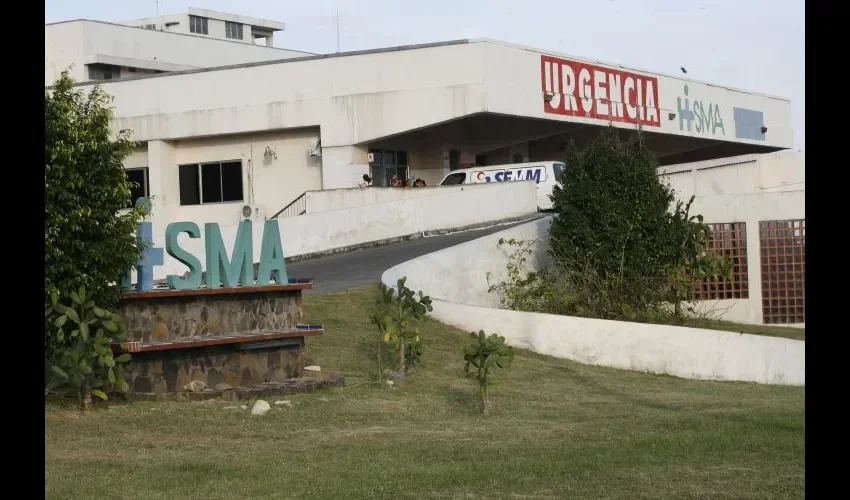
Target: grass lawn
769, 330
558, 430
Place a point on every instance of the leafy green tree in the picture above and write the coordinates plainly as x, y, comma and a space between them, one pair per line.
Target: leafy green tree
89, 235
617, 238
484, 354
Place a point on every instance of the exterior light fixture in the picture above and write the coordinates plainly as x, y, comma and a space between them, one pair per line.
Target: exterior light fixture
671, 116
763, 129
547, 96
269, 155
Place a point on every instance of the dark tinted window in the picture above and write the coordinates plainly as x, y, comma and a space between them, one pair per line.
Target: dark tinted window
190, 186
139, 187
211, 183
231, 181
456, 178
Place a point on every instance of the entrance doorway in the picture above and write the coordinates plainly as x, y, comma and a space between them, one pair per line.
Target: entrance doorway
387, 163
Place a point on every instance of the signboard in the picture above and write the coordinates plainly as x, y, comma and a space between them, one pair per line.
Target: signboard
221, 269
572, 88
537, 174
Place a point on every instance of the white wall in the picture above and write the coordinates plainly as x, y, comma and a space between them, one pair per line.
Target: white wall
758, 173
515, 86
456, 278
85, 42
338, 229
362, 97
266, 185
336, 199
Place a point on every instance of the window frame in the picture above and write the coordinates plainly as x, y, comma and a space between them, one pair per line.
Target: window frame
199, 166
146, 186
230, 26
199, 25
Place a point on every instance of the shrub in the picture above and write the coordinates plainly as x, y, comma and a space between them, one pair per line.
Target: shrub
620, 248
484, 354
80, 354
89, 233
89, 238
397, 315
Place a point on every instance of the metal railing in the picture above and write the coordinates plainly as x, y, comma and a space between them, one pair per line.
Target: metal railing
296, 207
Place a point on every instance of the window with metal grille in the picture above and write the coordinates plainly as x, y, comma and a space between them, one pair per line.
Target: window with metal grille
728, 239
233, 30
198, 24
217, 182
783, 271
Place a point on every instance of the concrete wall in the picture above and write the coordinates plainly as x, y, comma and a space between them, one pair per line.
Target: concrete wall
358, 98
513, 71
86, 42
266, 185
337, 199
456, 278
748, 189
772, 172
338, 229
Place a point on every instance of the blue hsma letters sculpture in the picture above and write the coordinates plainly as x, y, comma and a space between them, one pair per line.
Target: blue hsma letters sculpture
221, 270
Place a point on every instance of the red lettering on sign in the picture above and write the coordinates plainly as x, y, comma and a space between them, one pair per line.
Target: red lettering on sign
574, 88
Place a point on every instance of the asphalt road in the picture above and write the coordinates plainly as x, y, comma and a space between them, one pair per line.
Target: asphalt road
362, 267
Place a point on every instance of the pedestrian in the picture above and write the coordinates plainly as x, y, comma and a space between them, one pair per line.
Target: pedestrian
366, 182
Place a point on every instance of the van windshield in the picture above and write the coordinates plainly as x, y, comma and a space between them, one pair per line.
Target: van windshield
456, 178
559, 171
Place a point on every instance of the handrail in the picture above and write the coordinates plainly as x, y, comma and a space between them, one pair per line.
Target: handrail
299, 209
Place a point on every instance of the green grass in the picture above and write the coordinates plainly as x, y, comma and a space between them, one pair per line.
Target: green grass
772, 331
558, 430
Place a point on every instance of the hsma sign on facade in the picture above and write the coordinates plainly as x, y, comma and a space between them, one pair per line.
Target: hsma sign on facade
589, 91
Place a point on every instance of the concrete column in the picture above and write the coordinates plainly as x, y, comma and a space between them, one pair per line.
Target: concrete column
343, 166
163, 177
754, 269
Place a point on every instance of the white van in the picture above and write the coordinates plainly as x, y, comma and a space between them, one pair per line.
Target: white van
545, 173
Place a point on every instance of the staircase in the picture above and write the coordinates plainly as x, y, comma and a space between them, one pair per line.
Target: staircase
296, 207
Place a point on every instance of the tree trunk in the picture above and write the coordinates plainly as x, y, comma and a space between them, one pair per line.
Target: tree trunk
401, 355
485, 399
85, 396
380, 358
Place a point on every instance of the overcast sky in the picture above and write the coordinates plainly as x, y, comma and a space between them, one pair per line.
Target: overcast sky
755, 45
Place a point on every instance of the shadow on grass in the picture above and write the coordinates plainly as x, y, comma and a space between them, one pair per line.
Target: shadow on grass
463, 400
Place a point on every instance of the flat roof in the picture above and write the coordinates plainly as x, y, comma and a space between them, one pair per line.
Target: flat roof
425, 46
84, 20
224, 16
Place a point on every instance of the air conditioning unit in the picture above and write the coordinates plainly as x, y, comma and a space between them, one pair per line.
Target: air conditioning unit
252, 212
315, 148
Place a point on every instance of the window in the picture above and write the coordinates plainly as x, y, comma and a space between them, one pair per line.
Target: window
140, 187
233, 30
218, 182
452, 179
100, 72
385, 164
198, 24
730, 240
783, 271
558, 168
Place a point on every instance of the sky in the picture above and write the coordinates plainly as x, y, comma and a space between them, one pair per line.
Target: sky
754, 45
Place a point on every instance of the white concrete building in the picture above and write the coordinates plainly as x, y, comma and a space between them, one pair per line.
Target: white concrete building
227, 126
100, 51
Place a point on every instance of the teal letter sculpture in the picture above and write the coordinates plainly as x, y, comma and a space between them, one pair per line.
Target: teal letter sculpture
219, 267
271, 256
193, 280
